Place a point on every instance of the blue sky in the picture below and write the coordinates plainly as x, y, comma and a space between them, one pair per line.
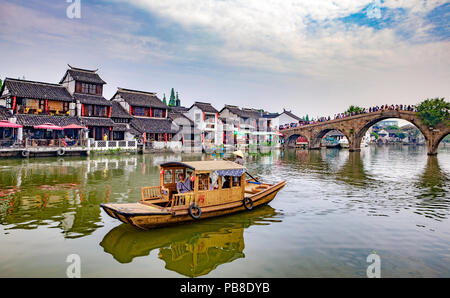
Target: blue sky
312, 57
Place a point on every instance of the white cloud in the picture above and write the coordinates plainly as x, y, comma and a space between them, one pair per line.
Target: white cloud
273, 35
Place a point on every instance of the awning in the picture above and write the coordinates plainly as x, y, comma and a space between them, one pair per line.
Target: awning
210, 165
233, 173
74, 126
48, 126
6, 123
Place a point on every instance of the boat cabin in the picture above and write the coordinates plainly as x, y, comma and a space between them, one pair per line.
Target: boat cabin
204, 183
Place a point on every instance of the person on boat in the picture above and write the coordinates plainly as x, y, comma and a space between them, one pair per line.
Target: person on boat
183, 185
227, 183
239, 157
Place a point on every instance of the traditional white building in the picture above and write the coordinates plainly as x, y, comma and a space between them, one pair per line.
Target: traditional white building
206, 120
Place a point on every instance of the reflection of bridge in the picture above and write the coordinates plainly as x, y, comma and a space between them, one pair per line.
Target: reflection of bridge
355, 127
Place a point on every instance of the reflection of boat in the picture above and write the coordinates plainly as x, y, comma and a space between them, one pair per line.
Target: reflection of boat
331, 142
301, 142
343, 143
191, 250
219, 188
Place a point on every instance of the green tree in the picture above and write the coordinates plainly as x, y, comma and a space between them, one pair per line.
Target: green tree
172, 98
354, 109
1, 83
164, 99
433, 111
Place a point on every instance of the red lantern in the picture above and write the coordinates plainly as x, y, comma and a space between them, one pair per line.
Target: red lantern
14, 104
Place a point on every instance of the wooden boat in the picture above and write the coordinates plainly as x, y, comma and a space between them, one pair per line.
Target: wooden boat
219, 187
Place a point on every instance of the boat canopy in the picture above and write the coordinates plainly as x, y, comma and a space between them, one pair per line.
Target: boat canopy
210, 165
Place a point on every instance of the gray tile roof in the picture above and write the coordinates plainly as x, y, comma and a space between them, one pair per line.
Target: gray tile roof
5, 114
117, 111
205, 107
179, 109
32, 120
36, 90
92, 99
289, 113
83, 75
97, 121
175, 115
133, 131
270, 115
153, 125
141, 98
120, 127
243, 113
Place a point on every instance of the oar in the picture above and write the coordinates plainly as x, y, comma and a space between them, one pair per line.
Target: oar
257, 182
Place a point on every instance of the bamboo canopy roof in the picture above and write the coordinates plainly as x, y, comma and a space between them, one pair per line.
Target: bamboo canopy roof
210, 165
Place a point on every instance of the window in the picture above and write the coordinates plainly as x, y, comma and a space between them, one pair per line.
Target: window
157, 113
168, 176
226, 182
138, 111
118, 135
203, 181
92, 89
42, 104
90, 110
236, 181
84, 88
100, 111
178, 172
197, 117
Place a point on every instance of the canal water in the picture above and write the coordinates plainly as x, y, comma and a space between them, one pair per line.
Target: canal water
336, 209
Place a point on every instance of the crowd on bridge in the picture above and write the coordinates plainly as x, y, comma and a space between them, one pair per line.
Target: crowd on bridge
374, 109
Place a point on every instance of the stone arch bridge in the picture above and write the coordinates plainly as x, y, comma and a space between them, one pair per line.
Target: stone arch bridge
355, 127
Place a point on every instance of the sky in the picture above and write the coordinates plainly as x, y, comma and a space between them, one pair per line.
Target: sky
314, 57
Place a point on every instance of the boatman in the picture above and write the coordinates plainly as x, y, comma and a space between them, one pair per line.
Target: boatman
239, 157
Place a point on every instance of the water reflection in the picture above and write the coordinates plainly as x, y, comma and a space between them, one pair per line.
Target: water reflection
61, 193
353, 171
191, 250
434, 188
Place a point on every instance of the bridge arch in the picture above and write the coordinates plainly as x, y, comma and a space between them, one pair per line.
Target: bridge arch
291, 140
435, 146
363, 130
317, 137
